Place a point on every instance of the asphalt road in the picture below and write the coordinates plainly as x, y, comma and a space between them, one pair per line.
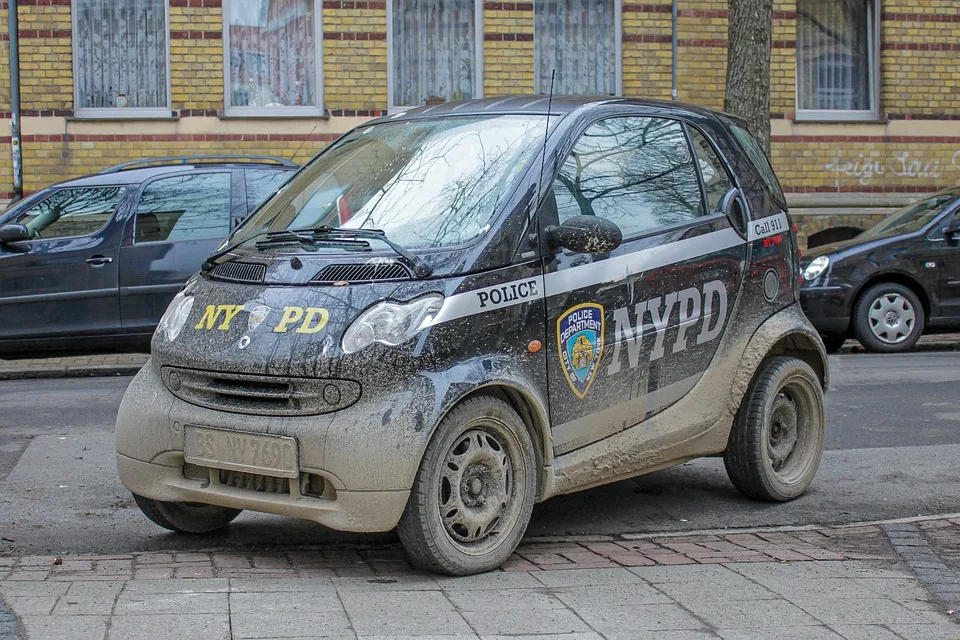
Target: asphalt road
894, 443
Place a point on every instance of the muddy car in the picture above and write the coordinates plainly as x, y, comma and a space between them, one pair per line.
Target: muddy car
455, 312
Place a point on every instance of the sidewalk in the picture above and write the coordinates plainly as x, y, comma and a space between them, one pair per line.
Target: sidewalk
846, 582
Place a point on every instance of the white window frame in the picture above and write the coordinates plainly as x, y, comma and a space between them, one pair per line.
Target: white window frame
119, 113
835, 115
617, 45
478, 43
273, 112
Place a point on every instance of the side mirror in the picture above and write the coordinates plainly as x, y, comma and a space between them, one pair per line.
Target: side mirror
586, 234
732, 207
13, 233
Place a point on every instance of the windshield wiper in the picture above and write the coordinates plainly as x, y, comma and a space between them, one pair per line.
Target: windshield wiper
307, 236
420, 267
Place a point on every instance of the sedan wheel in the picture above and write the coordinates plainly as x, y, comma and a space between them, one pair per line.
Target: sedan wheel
889, 318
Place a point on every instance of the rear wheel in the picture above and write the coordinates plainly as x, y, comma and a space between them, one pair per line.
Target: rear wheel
888, 318
778, 434
474, 493
186, 517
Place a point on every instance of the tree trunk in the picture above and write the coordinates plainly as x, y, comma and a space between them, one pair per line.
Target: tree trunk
750, 33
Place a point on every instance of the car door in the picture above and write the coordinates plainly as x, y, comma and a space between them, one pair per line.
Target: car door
179, 220
63, 281
949, 268
631, 332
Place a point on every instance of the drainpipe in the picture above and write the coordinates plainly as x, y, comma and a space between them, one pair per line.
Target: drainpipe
674, 40
13, 21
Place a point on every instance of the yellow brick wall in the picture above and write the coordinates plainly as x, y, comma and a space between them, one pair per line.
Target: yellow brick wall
920, 81
508, 58
46, 69
196, 62
355, 70
647, 52
702, 52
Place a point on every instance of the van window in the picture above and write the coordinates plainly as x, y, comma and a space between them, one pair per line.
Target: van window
760, 161
716, 180
188, 207
68, 213
636, 172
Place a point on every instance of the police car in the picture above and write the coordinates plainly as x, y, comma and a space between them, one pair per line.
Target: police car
458, 311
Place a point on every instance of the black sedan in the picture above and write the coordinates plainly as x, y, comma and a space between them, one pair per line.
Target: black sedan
893, 282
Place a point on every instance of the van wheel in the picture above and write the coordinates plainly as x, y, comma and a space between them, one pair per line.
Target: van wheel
888, 318
186, 517
778, 434
473, 495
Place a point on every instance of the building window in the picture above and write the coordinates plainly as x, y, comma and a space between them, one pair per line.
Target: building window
120, 52
435, 53
837, 44
273, 57
580, 39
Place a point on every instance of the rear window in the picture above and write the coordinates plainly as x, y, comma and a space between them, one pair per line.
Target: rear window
760, 161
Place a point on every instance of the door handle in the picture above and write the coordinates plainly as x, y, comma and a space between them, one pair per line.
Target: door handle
99, 261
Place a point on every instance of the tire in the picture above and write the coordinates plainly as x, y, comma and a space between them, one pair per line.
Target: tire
186, 517
888, 318
474, 492
784, 402
832, 342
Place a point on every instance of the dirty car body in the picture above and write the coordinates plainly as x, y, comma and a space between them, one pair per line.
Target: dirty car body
524, 344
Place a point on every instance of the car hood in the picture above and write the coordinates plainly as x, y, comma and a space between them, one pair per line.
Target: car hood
846, 248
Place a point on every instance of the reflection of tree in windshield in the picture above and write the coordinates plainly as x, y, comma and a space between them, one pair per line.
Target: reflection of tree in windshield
71, 212
913, 217
425, 183
636, 172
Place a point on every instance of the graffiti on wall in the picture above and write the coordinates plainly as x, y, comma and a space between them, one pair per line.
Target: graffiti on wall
866, 170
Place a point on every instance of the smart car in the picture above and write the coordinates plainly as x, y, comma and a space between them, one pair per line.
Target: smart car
893, 282
91, 264
457, 311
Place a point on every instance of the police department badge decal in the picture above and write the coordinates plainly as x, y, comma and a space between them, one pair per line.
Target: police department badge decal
580, 340
257, 316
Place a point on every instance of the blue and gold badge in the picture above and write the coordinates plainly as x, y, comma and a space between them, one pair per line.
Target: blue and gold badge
580, 340
257, 316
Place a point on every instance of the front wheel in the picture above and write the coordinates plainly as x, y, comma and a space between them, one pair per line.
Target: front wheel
473, 495
888, 318
778, 434
186, 517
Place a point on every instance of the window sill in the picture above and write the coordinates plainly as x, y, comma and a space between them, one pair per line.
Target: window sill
121, 114
274, 116
838, 118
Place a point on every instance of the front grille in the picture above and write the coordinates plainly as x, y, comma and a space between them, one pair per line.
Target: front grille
239, 272
260, 395
254, 482
373, 272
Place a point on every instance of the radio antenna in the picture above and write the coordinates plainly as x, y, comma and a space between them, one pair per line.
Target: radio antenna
546, 134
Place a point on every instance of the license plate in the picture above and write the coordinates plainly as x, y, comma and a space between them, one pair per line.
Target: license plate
241, 451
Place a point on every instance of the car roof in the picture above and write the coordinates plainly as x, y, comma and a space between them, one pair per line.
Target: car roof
536, 105
136, 176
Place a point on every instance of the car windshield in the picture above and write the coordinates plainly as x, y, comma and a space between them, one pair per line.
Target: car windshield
912, 217
425, 183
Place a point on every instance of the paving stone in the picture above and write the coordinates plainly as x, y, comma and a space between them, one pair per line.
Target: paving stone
403, 613
795, 589
781, 633
948, 631
331, 623
865, 632
492, 580
860, 611
696, 573
161, 603
387, 583
12, 589
566, 636
268, 585
531, 621
750, 614
610, 596
63, 627
859, 569
729, 588
169, 627
200, 585
283, 602
894, 588
586, 577
31, 605
505, 600
88, 598
616, 623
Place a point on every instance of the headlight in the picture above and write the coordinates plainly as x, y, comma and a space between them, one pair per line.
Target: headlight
176, 316
390, 322
816, 267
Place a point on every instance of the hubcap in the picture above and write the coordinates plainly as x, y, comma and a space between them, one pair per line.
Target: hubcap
476, 487
892, 318
783, 431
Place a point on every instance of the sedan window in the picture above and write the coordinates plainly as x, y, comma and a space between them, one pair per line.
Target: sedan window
913, 217
261, 183
68, 213
188, 207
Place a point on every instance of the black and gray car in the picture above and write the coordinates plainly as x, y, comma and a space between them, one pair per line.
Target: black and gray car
91, 264
892, 283
457, 311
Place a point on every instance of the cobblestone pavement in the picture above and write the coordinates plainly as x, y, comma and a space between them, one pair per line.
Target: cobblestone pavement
842, 582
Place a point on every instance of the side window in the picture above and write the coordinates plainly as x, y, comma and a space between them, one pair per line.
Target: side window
716, 180
184, 208
634, 171
759, 160
261, 183
70, 212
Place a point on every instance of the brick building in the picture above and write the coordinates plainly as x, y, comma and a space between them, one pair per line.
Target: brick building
865, 93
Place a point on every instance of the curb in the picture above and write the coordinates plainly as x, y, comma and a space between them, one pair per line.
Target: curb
84, 371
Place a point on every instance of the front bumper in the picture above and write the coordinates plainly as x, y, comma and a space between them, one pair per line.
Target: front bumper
362, 511
828, 308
